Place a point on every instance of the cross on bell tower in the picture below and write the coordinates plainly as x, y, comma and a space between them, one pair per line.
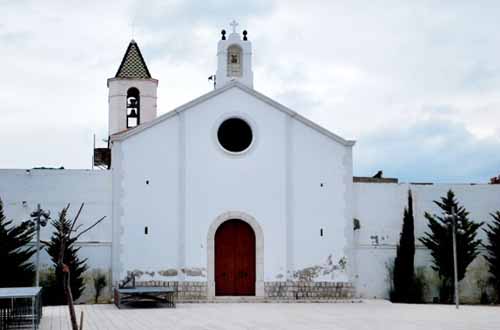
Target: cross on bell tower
234, 58
234, 24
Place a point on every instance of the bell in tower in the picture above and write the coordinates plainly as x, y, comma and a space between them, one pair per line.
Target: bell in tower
133, 108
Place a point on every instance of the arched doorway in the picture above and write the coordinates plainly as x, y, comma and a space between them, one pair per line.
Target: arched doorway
235, 259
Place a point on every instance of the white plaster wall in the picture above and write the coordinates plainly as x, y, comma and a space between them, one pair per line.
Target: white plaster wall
379, 207
317, 161
150, 156
193, 181
54, 189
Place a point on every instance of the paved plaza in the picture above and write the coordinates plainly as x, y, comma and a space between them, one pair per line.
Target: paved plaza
228, 316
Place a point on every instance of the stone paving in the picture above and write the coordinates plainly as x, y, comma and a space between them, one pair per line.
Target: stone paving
371, 315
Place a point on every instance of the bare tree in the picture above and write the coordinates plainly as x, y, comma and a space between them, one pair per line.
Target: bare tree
72, 234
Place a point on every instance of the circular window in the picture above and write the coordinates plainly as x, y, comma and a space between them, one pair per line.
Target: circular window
234, 135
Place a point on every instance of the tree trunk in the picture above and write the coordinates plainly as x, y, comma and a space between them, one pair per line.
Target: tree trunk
69, 299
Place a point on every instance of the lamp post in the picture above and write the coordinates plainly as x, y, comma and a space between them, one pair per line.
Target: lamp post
39, 219
453, 217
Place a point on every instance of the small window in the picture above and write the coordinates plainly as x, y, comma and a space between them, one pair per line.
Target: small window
234, 61
235, 135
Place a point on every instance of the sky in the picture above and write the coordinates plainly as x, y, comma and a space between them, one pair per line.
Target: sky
415, 83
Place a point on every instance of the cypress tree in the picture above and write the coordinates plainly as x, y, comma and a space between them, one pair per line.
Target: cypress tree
493, 248
55, 295
439, 240
404, 271
15, 254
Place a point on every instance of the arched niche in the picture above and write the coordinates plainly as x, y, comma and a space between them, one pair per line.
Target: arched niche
234, 61
133, 107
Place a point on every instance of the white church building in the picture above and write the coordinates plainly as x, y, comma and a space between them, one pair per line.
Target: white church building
235, 194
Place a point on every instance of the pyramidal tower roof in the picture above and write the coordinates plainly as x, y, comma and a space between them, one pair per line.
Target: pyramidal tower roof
133, 65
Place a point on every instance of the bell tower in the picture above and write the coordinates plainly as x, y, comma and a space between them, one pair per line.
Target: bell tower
234, 58
132, 93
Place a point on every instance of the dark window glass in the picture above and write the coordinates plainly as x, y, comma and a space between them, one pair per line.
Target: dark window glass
235, 135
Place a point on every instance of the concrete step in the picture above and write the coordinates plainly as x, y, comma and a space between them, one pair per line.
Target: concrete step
252, 299
238, 299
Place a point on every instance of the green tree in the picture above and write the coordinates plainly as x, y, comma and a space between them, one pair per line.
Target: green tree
493, 248
406, 288
15, 254
63, 227
440, 241
100, 283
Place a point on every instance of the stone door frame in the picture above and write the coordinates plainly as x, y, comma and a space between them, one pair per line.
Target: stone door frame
259, 250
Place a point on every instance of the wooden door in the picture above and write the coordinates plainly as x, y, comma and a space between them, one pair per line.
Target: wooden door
234, 259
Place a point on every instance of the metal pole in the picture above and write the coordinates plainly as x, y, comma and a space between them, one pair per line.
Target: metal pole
455, 271
37, 281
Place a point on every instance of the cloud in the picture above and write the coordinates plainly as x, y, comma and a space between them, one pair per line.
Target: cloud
431, 150
180, 29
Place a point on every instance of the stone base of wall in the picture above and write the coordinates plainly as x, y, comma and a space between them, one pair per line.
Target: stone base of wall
308, 290
186, 291
273, 292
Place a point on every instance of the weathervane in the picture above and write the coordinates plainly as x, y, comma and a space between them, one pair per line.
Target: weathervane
234, 24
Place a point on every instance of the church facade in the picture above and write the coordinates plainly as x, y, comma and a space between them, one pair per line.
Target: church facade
232, 189
234, 194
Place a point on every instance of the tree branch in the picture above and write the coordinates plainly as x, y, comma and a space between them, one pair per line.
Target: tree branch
89, 228
77, 228
76, 218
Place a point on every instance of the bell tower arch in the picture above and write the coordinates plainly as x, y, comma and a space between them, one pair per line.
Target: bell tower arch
132, 93
234, 58
133, 107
